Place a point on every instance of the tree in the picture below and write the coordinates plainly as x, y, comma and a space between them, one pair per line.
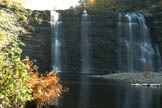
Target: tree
119, 5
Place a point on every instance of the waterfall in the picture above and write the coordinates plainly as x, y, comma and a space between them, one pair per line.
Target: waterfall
85, 44
56, 26
136, 51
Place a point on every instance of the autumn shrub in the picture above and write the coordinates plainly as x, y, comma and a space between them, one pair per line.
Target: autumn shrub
13, 76
20, 81
45, 88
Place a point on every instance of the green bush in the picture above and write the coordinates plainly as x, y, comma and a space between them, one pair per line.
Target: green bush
13, 77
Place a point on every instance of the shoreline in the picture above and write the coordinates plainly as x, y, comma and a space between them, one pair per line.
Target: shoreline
152, 79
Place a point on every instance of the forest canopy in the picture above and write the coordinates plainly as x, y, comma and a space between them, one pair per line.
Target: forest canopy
121, 5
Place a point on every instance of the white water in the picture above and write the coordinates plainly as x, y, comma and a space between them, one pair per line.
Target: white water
85, 44
136, 52
56, 26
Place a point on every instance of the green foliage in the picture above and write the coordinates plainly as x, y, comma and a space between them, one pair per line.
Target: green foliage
2, 19
3, 39
20, 81
13, 77
12, 3
22, 17
119, 5
14, 72
37, 18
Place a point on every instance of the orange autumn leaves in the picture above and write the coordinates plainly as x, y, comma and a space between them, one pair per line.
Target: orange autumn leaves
29, 63
45, 88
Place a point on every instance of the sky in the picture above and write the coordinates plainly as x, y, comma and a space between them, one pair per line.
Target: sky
50, 4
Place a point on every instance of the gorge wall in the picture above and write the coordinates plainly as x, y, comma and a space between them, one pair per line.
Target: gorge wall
38, 41
154, 22
103, 40
102, 34
32, 27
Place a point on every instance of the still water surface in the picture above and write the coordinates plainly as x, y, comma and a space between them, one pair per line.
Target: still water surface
100, 93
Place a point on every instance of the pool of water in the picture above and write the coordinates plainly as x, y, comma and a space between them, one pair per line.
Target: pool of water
88, 92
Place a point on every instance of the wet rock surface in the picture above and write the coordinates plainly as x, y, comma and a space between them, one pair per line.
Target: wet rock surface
152, 79
36, 34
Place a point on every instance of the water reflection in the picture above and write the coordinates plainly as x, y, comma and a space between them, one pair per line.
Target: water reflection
139, 97
98, 93
85, 91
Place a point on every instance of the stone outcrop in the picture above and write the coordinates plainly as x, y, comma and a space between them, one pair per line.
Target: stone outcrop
154, 23
38, 42
102, 36
103, 41
33, 28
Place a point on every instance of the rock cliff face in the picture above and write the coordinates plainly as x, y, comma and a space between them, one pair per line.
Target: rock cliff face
102, 34
33, 28
38, 42
154, 22
103, 38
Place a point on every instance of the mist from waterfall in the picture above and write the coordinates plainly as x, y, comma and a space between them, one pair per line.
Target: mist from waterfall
56, 28
85, 44
136, 52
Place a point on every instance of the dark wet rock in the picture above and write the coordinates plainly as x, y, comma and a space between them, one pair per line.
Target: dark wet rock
152, 79
33, 104
102, 35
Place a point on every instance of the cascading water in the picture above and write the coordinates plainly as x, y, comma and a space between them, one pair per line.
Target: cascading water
56, 26
85, 44
136, 51
85, 49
